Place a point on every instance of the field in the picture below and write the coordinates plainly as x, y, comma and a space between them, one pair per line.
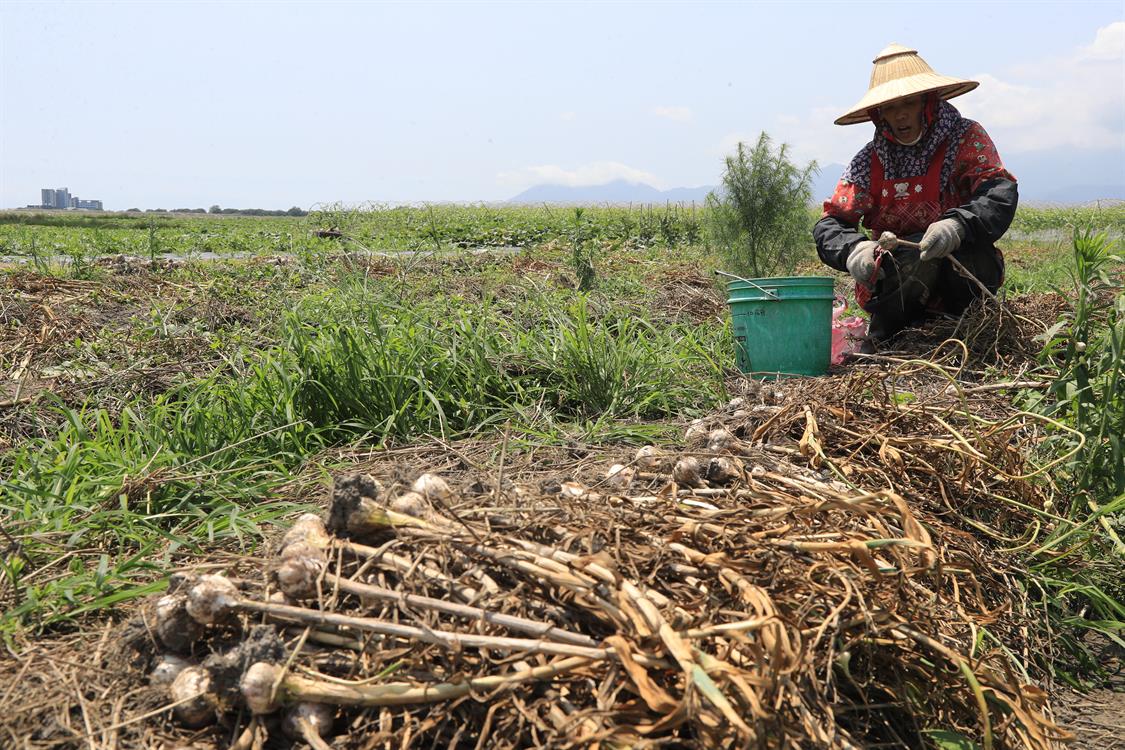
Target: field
922, 548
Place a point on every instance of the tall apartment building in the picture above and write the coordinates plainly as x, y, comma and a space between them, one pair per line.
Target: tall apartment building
61, 198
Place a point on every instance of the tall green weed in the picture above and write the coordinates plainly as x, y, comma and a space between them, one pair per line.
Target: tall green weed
759, 220
1079, 568
1085, 347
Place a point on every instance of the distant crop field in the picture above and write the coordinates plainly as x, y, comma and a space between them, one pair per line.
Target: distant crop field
1109, 218
1035, 246
432, 228
437, 228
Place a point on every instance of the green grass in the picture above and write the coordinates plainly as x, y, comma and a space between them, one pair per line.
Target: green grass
432, 227
1036, 267
1035, 264
99, 508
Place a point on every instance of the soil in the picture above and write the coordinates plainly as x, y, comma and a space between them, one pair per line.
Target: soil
1097, 716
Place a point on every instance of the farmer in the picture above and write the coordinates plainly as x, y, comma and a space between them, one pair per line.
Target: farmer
929, 176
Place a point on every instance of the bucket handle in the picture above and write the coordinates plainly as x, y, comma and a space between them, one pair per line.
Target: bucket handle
772, 295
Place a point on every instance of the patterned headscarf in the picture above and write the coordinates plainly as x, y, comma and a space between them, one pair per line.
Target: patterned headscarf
942, 124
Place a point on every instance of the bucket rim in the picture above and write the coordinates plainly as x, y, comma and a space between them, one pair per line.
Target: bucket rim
782, 288
785, 281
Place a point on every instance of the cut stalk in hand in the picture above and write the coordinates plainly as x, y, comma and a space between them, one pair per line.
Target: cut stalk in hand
957, 266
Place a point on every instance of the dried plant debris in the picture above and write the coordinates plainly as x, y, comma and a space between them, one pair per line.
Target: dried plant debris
131, 264
999, 333
759, 604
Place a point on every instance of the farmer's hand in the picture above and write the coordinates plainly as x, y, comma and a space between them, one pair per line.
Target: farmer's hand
861, 262
941, 238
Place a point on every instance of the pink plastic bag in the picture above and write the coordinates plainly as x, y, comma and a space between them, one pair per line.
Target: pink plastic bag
847, 333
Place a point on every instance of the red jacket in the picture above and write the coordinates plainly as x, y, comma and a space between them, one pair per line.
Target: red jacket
974, 187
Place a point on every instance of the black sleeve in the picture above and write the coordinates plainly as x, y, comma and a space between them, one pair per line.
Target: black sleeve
988, 214
835, 240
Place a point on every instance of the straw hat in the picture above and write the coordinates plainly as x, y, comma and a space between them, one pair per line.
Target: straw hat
899, 72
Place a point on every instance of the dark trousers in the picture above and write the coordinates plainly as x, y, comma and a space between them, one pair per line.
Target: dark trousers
911, 289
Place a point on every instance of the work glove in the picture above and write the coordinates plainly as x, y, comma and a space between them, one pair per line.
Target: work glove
861, 262
941, 239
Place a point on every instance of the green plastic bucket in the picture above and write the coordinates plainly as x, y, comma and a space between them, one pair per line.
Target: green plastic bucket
782, 326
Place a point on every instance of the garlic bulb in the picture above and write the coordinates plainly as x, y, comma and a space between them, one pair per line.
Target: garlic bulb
649, 458
411, 504
619, 477
696, 435
301, 568
686, 472
721, 440
167, 670
210, 599
308, 529
358, 504
193, 686
432, 486
174, 627
724, 470
257, 685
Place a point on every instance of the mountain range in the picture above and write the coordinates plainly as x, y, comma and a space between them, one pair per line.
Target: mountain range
616, 192
623, 191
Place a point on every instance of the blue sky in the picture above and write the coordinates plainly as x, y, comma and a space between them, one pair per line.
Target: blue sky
269, 104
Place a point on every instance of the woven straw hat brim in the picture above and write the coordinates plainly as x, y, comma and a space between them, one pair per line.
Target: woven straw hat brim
920, 83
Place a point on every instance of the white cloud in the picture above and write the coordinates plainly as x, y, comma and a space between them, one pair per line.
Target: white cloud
1109, 44
594, 173
1077, 101
676, 114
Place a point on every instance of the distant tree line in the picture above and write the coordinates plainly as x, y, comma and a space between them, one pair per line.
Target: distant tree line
294, 211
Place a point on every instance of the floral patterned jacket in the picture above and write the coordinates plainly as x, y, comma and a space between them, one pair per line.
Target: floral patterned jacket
974, 188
